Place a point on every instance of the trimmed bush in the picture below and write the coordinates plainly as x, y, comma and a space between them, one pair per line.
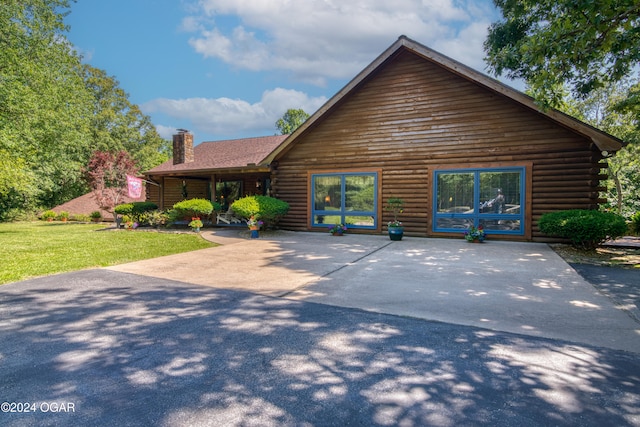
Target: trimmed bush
268, 209
586, 229
135, 211
193, 207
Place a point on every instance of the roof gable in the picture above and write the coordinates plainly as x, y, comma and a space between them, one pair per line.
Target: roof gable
603, 141
227, 154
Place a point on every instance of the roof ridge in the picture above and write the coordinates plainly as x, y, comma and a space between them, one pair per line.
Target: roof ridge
244, 139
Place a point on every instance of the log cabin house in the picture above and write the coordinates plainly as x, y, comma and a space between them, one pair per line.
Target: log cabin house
415, 125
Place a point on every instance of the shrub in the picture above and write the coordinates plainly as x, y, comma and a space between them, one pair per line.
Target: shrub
174, 215
48, 215
14, 214
268, 209
63, 215
586, 229
96, 215
135, 211
155, 218
123, 209
187, 209
81, 218
217, 207
635, 223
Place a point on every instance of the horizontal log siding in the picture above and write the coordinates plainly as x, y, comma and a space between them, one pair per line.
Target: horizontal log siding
152, 193
412, 116
196, 189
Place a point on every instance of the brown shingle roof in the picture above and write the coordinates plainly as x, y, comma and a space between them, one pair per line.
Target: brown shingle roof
87, 203
228, 154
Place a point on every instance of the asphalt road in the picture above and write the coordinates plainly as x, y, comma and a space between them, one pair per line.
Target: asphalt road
101, 347
621, 285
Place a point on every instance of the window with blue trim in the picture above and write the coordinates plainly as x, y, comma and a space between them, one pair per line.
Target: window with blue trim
344, 198
492, 198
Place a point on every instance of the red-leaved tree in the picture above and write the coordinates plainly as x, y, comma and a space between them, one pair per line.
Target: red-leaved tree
106, 174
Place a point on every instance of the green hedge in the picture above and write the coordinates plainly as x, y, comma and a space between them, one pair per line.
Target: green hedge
586, 229
136, 210
268, 209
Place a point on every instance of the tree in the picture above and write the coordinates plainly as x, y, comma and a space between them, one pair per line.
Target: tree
44, 107
584, 44
291, 120
16, 185
119, 125
602, 110
55, 111
106, 174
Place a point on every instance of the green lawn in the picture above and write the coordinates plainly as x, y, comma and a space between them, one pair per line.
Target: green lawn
31, 249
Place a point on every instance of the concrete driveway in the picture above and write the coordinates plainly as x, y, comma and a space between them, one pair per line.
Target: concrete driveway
523, 288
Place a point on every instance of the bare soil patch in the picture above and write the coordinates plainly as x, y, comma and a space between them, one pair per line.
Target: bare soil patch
622, 257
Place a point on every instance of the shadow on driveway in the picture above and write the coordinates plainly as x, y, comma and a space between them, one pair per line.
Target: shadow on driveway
622, 285
135, 350
517, 287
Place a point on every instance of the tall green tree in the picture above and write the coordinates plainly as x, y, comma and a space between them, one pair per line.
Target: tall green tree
291, 120
584, 44
44, 107
55, 111
117, 124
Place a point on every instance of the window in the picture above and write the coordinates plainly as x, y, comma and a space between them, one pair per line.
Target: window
344, 198
491, 198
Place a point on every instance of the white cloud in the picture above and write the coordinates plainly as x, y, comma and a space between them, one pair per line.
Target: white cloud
467, 45
317, 40
224, 116
166, 132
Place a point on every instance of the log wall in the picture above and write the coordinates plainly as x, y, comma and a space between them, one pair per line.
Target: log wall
411, 116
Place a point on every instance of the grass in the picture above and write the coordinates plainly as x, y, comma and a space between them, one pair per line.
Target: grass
32, 249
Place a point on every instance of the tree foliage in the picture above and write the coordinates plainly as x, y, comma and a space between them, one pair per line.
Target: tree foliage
584, 44
106, 174
602, 110
55, 111
291, 120
116, 124
43, 104
591, 48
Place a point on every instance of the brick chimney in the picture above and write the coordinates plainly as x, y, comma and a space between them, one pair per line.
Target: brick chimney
182, 147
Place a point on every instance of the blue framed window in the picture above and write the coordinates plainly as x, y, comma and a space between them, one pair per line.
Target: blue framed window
492, 198
344, 198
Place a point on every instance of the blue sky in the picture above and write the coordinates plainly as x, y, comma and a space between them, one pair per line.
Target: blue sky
228, 69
